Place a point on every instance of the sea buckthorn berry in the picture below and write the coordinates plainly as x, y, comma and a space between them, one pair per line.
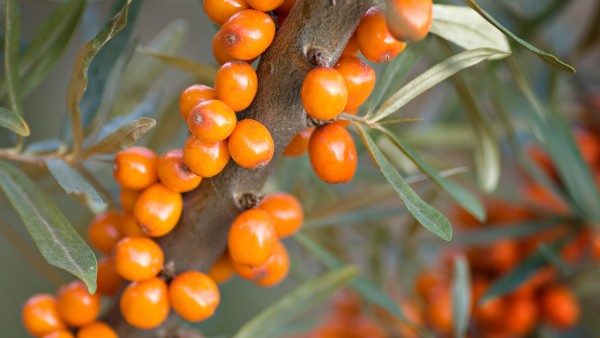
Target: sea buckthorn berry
76, 306
375, 41
174, 174
285, 8
559, 307
345, 123
40, 315
360, 80
128, 198
135, 168
236, 84
351, 48
145, 304
97, 330
158, 210
192, 96
409, 20
332, 154
251, 145
324, 93
59, 334
272, 272
221, 10
212, 121
219, 51
205, 159
265, 5
130, 227
299, 144
439, 312
428, 282
520, 316
252, 238
285, 212
194, 296
103, 232
108, 280
247, 34
222, 269
138, 258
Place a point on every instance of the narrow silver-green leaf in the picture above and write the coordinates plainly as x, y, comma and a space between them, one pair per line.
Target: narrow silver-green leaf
461, 297
205, 74
13, 121
54, 236
427, 215
73, 183
548, 58
462, 196
122, 138
431, 77
12, 36
313, 292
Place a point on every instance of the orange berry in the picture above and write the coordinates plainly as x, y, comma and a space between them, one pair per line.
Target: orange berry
324, 93
103, 232
285, 212
219, 51
221, 10
40, 315
205, 159
59, 334
76, 306
138, 258
97, 330
299, 144
520, 316
135, 168
332, 154
222, 269
192, 96
173, 173
265, 5
145, 304
247, 34
360, 80
212, 121
491, 313
128, 198
559, 307
409, 20
251, 145
236, 84
252, 238
108, 280
130, 227
276, 268
375, 41
427, 282
439, 312
194, 296
158, 210
351, 48
285, 8
499, 256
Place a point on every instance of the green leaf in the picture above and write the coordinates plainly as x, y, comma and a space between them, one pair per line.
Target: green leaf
514, 231
122, 138
461, 195
73, 183
461, 297
205, 74
427, 215
12, 36
303, 298
467, 29
359, 216
13, 121
548, 58
431, 77
54, 236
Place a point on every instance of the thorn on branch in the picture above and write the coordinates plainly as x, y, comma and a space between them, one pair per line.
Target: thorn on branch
249, 200
317, 57
168, 272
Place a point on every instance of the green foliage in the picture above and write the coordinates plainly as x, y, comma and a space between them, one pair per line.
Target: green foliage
205, 74
124, 137
461, 297
73, 183
13, 121
12, 36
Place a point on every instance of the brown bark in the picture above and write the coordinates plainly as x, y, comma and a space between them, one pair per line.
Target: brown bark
314, 33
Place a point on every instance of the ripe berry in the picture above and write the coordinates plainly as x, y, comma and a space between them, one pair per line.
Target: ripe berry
491, 313
205, 159
212, 121
409, 20
130, 227
103, 232
108, 280
265, 5
324, 93
332, 154
375, 41
252, 238
97, 330
135, 168
59, 334
299, 144
351, 48
158, 210
222, 269
427, 282
219, 51
138, 258
251, 145
247, 34
236, 84
559, 307
221, 10
145, 304
128, 198
76, 306
285, 212
40, 315
192, 96
360, 80
520, 316
174, 174
439, 311
194, 296
272, 272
